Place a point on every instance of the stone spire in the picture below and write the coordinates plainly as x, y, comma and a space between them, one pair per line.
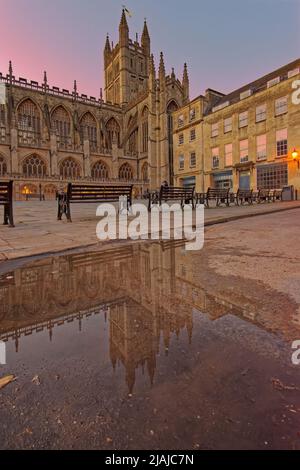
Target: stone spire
173, 78
11, 103
45, 84
185, 84
107, 51
162, 72
107, 45
152, 74
75, 90
123, 30
10, 72
145, 41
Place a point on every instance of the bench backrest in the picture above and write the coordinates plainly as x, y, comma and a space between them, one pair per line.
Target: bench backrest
6, 192
218, 192
264, 192
245, 192
277, 192
173, 192
95, 192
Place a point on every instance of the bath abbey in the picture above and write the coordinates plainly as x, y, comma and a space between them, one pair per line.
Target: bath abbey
49, 136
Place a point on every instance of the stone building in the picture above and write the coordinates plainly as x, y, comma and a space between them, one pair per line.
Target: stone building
249, 138
50, 136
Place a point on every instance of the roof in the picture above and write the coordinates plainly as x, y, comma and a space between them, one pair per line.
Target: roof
257, 85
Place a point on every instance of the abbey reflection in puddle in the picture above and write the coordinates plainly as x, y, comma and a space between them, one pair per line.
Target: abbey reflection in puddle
148, 293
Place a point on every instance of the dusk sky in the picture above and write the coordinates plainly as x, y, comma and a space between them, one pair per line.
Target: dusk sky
225, 43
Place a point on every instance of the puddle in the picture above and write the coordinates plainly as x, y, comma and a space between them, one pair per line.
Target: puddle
139, 346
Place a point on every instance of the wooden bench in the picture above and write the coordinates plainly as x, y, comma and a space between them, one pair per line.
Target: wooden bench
264, 195
276, 195
6, 200
221, 196
243, 196
172, 193
86, 193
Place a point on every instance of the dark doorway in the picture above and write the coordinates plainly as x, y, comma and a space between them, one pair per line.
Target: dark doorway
244, 181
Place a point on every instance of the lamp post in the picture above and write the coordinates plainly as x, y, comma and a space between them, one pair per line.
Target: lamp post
295, 156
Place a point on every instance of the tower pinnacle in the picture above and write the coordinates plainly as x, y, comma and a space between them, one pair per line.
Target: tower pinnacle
145, 40
123, 30
185, 84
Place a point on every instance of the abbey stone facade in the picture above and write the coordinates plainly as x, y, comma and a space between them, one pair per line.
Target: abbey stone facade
50, 136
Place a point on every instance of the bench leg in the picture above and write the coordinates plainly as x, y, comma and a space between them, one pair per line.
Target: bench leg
68, 212
11, 216
59, 210
8, 215
5, 220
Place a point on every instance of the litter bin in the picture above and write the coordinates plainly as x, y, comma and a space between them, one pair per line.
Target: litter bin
288, 193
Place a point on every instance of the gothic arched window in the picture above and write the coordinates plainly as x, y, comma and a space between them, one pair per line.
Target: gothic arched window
145, 130
125, 172
89, 129
113, 132
28, 122
62, 125
100, 171
34, 166
69, 169
3, 166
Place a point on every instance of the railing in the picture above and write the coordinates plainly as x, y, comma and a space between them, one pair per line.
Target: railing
31, 138
54, 91
58, 178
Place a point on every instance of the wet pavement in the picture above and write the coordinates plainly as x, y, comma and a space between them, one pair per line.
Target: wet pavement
38, 232
149, 346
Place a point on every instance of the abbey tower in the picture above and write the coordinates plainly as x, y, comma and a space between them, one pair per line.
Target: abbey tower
50, 136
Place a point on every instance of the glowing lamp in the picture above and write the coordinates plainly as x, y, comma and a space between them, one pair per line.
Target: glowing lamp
295, 154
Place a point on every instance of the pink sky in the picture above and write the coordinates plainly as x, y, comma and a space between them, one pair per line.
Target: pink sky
226, 44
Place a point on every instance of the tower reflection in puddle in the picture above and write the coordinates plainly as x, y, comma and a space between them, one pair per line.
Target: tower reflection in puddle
148, 293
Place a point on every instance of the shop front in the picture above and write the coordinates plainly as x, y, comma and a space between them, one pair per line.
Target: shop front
272, 176
222, 180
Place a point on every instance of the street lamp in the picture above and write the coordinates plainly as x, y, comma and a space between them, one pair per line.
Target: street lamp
295, 156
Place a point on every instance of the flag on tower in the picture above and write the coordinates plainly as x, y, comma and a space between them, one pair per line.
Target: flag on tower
127, 11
